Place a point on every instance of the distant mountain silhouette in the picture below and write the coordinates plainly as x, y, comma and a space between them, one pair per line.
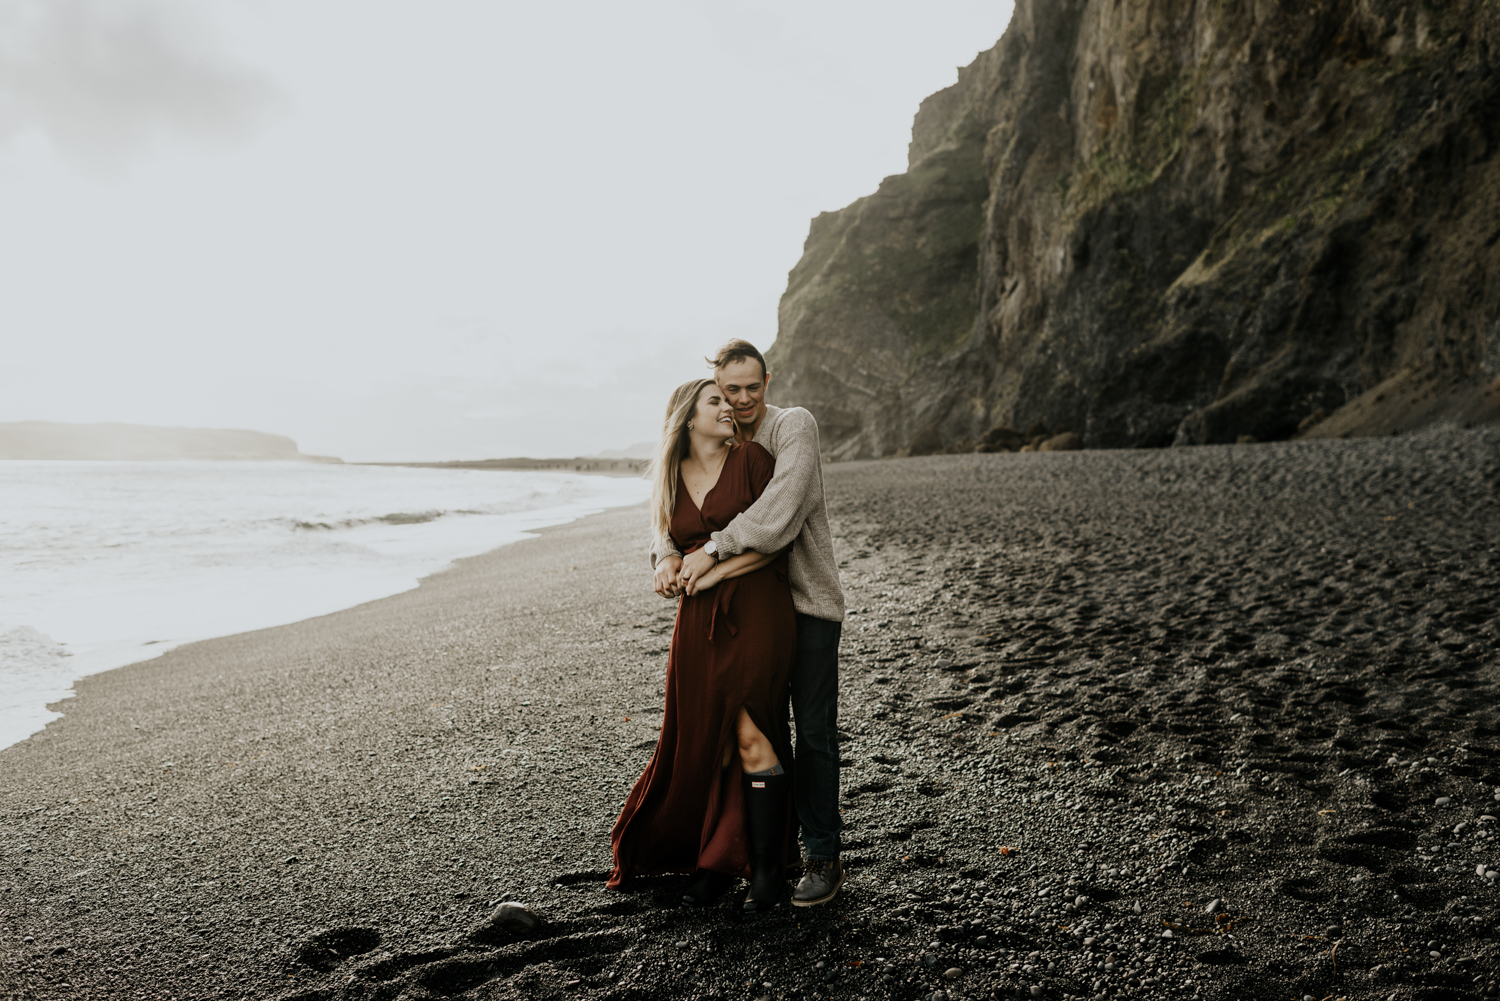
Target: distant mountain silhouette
47, 440
640, 450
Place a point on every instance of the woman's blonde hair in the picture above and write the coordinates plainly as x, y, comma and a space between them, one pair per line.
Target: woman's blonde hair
669, 455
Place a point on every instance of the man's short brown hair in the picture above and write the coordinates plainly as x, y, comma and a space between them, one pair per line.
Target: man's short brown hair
737, 350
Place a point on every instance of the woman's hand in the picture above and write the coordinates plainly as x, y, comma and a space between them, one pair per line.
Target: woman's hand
705, 581
694, 565
665, 582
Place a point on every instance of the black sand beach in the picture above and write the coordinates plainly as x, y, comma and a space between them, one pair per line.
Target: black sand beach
1244, 695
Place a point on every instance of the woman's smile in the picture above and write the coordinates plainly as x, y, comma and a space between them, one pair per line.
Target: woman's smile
716, 413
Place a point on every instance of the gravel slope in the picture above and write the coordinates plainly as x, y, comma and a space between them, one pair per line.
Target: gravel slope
1245, 695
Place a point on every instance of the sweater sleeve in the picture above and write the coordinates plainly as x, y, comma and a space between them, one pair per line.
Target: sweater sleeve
772, 522
660, 551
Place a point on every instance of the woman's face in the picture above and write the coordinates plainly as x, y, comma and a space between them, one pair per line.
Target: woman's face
713, 417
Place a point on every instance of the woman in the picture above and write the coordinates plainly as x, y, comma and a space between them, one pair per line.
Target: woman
713, 798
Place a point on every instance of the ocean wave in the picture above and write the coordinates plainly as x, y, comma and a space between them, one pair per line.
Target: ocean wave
404, 518
395, 518
26, 648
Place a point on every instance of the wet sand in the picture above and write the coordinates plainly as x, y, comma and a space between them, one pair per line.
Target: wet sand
1085, 695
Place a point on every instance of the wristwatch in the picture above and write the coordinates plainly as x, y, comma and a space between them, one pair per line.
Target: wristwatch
711, 547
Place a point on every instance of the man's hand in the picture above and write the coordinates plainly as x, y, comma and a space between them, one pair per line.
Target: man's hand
694, 566
667, 570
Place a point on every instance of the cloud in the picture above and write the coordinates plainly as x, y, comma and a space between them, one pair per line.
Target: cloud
104, 79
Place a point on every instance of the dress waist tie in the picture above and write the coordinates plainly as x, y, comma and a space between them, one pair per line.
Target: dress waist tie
723, 595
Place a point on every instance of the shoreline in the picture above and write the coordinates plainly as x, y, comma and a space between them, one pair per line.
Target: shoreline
1243, 694
55, 665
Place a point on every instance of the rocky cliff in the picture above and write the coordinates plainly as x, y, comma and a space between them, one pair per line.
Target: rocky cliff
1156, 222
47, 440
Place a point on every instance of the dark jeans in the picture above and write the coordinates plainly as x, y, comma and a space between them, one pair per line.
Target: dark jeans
815, 707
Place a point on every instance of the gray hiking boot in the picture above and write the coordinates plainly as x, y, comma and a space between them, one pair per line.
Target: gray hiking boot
820, 882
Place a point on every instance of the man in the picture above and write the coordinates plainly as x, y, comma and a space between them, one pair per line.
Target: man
790, 512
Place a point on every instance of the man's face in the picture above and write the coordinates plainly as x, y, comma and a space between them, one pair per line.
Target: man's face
744, 386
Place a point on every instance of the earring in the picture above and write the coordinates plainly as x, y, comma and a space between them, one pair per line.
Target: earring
690, 425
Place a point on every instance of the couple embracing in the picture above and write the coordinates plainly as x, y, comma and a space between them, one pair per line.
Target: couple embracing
742, 542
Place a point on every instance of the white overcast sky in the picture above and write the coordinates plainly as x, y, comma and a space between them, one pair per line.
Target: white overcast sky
426, 230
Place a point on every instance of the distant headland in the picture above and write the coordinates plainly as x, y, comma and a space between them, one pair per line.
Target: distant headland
135, 442
629, 461
580, 464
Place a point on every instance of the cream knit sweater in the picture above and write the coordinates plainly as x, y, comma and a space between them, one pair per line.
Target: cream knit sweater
791, 512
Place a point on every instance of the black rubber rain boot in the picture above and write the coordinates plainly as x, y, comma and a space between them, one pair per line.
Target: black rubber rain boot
706, 887
765, 823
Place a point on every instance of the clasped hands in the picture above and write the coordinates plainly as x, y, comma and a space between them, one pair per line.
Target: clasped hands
676, 575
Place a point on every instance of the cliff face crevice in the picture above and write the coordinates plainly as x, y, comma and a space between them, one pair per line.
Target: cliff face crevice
1170, 222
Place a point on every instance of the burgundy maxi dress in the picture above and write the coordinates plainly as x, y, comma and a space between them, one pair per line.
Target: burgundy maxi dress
732, 646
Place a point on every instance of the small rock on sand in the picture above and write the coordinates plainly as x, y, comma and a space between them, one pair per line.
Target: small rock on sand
953, 973
1068, 441
1001, 438
509, 919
